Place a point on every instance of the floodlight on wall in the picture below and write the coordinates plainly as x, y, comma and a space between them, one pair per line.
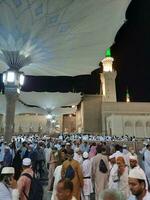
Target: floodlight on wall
108, 62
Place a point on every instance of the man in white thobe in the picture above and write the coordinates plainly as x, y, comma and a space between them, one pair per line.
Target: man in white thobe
86, 169
57, 178
112, 184
78, 156
147, 162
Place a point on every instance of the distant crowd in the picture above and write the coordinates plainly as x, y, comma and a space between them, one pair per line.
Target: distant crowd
77, 167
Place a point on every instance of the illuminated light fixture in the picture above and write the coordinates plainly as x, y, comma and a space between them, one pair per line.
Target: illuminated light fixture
12, 77
49, 116
4, 77
107, 62
21, 79
73, 106
70, 115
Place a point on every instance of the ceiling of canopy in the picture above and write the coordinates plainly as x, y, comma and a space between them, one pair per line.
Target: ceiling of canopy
20, 108
44, 103
67, 37
50, 101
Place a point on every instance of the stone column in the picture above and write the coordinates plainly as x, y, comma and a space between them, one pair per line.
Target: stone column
91, 114
11, 98
48, 126
1, 124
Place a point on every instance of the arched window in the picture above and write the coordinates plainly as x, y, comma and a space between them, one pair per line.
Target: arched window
148, 124
138, 124
148, 128
128, 128
128, 124
139, 129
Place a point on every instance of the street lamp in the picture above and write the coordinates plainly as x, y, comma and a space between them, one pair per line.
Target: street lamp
13, 81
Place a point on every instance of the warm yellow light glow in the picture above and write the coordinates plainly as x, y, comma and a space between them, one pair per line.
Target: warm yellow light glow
128, 100
103, 85
127, 96
107, 64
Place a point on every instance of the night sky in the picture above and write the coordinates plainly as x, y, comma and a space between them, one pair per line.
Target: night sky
131, 52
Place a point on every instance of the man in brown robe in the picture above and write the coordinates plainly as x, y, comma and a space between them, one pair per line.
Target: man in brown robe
77, 180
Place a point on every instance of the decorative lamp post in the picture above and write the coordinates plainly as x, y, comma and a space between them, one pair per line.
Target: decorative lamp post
13, 80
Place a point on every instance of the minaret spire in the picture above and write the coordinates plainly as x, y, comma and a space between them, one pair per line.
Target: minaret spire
108, 77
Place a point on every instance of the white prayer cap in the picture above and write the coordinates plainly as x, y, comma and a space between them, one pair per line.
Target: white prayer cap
26, 162
85, 155
31, 145
7, 147
136, 173
77, 149
133, 158
112, 156
145, 143
8, 170
68, 143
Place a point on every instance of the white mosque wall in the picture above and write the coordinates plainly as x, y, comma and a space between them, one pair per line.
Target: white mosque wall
94, 116
132, 119
30, 122
33, 123
91, 114
25, 123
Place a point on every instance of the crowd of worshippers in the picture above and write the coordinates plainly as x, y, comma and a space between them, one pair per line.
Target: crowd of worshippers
95, 137
76, 169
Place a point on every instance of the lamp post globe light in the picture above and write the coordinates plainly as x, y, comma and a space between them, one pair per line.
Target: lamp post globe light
13, 81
